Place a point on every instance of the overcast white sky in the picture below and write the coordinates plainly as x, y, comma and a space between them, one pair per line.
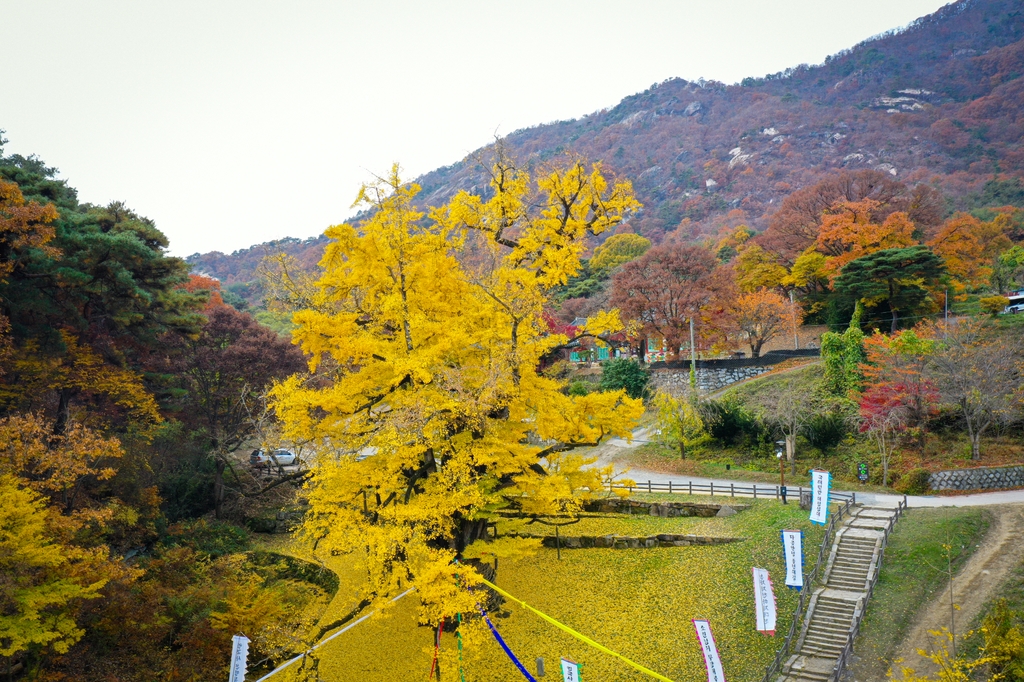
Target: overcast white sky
235, 122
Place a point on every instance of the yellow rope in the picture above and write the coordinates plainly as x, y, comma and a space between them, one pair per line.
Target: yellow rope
582, 638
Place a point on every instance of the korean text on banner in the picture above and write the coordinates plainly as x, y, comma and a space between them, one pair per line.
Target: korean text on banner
570, 671
793, 550
764, 601
819, 496
710, 651
239, 658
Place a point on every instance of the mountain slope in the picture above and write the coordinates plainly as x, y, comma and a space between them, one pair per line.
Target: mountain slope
940, 102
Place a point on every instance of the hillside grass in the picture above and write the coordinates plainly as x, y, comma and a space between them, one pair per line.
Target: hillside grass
912, 573
636, 602
946, 447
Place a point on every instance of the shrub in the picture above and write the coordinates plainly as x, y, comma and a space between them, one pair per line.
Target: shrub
579, 387
827, 430
622, 373
914, 482
212, 538
993, 305
730, 424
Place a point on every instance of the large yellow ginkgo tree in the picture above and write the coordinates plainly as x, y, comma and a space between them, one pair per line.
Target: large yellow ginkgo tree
426, 402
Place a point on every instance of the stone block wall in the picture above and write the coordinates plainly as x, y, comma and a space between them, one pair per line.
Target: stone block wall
982, 478
625, 541
615, 505
676, 381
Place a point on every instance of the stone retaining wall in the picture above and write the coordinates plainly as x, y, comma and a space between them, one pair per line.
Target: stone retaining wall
676, 381
982, 478
626, 542
615, 505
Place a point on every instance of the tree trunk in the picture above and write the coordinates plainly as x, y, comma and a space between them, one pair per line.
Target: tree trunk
60, 425
682, 449
218, 488
791, 451
467, 532
885, 467
755, 349
976, 446
437, 645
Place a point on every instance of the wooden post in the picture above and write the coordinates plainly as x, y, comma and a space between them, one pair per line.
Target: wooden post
691, 487
648, 486
558, 544
732, 490
712, 488
670, 485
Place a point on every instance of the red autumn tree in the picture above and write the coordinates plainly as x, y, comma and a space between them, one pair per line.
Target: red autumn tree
224, 372
883, 416
897, 366
664, 288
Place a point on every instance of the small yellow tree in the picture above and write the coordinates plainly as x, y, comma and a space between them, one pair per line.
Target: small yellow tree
949, 667
618, 249
679, 422
426, 334
38, 588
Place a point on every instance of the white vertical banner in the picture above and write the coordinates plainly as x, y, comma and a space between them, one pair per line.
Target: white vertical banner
793, 550
570, 671
710, 651
764, 602
239, 658
819, 496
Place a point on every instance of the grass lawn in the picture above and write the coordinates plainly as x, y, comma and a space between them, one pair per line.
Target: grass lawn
910, 577
746, 467
636, 602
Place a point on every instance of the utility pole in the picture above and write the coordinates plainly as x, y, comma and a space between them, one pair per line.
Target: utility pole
792, 307
945, 327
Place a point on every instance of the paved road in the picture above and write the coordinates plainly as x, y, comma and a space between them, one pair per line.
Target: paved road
610, 451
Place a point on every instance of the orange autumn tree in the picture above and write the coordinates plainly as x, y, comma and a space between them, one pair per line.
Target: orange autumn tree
969, 248
847, 233
762, 315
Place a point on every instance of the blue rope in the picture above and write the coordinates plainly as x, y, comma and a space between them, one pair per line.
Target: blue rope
504, 646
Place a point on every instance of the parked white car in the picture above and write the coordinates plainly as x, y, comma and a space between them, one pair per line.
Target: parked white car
1011, 309
261, 458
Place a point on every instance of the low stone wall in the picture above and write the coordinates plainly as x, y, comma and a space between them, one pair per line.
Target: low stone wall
676, 381
982, 478
627, 542
615, 505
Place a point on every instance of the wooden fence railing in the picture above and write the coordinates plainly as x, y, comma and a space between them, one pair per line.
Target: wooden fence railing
844, 657
809, 580
753, 490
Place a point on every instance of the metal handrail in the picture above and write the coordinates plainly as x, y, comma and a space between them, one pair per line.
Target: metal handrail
809, 579
847, 651
725, 489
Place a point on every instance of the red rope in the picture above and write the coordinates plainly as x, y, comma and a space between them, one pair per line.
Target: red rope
437, 645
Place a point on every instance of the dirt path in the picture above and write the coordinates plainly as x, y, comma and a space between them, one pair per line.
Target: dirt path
974, 586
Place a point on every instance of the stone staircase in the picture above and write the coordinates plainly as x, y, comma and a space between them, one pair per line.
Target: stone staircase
835, 609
